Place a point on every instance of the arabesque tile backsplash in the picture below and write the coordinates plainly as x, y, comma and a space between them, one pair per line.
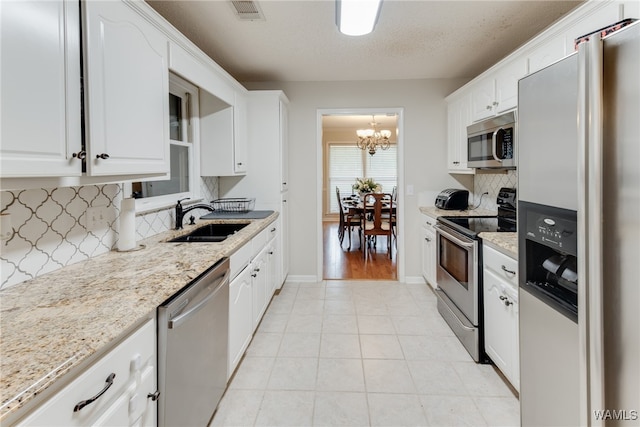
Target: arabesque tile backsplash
51, 232
491, 183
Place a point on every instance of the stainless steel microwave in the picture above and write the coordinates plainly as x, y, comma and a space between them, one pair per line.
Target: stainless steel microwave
491, 143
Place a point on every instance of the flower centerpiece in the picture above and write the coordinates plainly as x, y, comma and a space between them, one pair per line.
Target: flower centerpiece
364, 186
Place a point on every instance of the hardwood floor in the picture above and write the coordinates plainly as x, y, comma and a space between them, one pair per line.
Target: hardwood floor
342, 263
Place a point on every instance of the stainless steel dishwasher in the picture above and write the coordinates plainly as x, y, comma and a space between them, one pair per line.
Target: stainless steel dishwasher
192, 349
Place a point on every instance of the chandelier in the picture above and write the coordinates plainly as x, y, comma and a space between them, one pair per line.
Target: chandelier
372, 139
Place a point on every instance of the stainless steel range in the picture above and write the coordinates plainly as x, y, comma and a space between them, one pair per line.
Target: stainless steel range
459, 270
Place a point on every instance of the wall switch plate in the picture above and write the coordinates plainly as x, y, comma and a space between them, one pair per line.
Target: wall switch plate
96, 217
409, 190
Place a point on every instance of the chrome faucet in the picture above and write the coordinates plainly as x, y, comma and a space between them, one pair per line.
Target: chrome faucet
180, 211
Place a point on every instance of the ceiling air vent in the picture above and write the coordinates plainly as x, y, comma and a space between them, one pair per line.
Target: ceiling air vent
247, 10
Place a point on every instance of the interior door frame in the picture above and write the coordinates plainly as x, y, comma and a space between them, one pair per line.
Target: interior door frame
400, 262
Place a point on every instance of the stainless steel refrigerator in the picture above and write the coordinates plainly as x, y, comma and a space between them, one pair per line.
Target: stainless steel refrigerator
579, 236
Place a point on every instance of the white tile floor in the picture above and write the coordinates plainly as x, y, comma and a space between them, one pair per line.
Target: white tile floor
340, 353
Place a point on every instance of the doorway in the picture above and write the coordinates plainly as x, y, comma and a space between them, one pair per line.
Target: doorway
340, 163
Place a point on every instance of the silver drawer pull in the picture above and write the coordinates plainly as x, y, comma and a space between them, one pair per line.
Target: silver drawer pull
506, 270
84, 403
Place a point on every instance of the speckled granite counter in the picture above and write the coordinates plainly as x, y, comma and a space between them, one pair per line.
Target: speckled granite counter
56, 323
435, 212
507, 243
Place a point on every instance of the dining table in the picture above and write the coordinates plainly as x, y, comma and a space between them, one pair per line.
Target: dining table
354, 205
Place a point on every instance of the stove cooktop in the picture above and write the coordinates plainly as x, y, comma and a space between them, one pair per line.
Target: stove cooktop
472, 226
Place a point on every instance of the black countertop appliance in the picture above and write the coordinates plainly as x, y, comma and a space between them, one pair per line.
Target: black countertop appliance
453, 199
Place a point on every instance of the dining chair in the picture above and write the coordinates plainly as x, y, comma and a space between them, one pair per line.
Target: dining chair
348, 220
373, 222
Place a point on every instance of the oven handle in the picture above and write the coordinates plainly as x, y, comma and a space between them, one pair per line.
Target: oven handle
453, 238
494, 146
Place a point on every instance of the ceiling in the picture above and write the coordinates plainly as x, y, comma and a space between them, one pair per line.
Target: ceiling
419, 39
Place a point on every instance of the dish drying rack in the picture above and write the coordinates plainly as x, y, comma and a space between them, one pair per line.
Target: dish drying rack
233, 204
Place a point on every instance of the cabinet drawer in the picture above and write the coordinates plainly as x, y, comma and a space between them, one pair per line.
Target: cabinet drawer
273, 231
239, 259
503, 266
427, 222
260, 241
126, 361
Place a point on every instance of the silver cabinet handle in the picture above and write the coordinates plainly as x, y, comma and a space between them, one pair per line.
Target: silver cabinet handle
103, 156
506, 270
427, 239
84, 403
80, 155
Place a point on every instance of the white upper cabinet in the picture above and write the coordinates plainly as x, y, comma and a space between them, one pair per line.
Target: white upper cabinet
126, 91
284, 145
240, 140
223, 143
40, 112
124, 79
223, 113
546, 54
507, 84
498, 92
458, 118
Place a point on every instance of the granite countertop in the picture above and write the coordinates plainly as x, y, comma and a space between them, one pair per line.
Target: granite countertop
435, 212
58, 322
507, 243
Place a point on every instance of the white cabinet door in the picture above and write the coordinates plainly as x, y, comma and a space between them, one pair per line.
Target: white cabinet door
458, 118
240, 317
483, 102
259, 283
501, 326
240, 141
429, 256
545, 55
498, 92
284, 243
40, 112
284, 146
126, 87
507, 77
501, 313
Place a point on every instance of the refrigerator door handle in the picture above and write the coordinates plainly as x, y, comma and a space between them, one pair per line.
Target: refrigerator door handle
590, 196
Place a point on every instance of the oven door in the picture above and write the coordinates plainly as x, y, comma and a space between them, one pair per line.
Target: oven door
457, 273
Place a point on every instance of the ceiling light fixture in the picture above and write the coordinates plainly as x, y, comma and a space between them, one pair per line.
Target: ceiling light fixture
357, 17
372, 139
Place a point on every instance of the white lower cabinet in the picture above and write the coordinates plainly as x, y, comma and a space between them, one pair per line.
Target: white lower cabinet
259, 283
501, 313
127, 374
240, 317
255, 268
428, 246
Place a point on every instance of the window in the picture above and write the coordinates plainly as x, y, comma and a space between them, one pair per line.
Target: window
346, 163
183, 139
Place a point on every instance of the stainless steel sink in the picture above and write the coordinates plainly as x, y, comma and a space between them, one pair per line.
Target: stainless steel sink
210, 233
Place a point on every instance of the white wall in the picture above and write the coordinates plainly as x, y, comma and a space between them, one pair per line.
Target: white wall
425, 153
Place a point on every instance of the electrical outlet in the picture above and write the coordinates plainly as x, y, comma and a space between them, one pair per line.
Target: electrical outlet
96, 217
